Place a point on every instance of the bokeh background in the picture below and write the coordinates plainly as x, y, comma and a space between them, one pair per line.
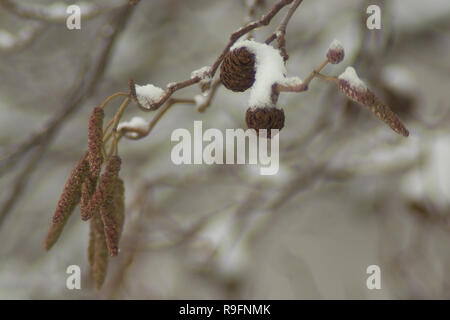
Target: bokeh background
350, 192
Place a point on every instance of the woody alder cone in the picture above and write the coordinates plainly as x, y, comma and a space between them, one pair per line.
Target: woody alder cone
237, 71
265, 118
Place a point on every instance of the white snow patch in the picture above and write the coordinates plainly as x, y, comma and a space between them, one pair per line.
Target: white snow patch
148, 95
202, 73
200, 99
292, 81
135, 122
350, 75
171, 84
270, 69
336, 45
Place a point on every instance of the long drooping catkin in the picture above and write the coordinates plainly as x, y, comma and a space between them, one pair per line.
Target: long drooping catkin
91, 244
379, 109
99, 253
105, 185
95, 159
119, 205
98, 249
69, 199
87, 190
95, 141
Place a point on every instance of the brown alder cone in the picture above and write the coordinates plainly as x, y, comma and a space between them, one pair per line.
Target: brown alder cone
69, 199
237, 71
265, 118
95, 159
377, 107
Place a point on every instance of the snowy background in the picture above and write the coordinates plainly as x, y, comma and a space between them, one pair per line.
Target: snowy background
350, 192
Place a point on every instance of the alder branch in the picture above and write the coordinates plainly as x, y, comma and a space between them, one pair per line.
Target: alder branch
172, 88
264, 21
140, 133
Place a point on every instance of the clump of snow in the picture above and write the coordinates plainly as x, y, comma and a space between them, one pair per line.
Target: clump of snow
171, 84
202, 73
336, 45
352, 78
148, 95
270, 69
135, 122
200, 99
291, 81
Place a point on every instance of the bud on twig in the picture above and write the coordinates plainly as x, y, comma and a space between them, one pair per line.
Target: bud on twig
67, 202
335, 52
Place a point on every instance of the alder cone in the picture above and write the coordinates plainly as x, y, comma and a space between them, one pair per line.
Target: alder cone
265, 118
237, 71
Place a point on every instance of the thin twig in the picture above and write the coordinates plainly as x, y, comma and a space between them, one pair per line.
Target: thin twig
140, 133
280, 33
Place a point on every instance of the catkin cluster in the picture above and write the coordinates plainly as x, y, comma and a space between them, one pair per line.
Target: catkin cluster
101, 199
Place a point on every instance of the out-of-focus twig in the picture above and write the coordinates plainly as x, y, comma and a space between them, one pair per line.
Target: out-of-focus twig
56, 12
25, 37
85, 87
